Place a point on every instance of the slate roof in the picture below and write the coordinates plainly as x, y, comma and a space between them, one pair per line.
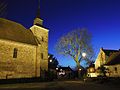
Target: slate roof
10, 30
114, 59
66, 68
109, 52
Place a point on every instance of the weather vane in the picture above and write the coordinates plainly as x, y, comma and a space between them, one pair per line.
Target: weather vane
38, 11
38, 3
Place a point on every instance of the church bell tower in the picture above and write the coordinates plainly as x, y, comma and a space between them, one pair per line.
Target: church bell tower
41, 36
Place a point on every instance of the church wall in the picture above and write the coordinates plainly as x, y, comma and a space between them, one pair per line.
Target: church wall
23, 66
42, 36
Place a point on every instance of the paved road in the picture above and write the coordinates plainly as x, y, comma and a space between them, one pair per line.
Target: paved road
59, 85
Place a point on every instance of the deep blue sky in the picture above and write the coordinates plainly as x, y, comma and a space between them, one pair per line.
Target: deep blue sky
100, 17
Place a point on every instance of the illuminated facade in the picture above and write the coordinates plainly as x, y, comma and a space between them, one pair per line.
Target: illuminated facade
103, 56
100, 59
23, 52
110, 59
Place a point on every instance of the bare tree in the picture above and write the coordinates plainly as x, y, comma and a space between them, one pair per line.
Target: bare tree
3, 6
76, 44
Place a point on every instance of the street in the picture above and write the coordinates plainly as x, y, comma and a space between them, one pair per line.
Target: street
58, 85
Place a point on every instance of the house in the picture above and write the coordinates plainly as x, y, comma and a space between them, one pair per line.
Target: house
110, 60
91, 71
113, 65
23, 52
64, 72
103, 56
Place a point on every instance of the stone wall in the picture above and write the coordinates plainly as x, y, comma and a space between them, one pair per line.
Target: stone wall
24, 66
113, 70
41, 35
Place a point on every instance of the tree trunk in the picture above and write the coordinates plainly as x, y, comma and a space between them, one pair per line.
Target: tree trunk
78, 65
77, 62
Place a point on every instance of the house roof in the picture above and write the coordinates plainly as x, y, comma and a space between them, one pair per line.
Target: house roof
50, 56
10, 30
65, 68
114, 59
109, 52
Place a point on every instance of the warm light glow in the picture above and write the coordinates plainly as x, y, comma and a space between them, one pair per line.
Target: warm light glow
92, 70
56, 68
84, 54
50, 60
60, 69
80, 69
62, 73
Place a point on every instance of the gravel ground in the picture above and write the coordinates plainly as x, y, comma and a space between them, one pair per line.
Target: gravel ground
60, 85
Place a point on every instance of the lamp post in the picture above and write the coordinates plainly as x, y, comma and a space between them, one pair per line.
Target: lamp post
79, 69
56, 76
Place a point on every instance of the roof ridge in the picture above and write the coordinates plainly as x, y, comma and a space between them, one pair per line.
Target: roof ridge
11, 21
110, 50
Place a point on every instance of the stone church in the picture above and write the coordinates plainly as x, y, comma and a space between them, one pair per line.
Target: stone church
23, 52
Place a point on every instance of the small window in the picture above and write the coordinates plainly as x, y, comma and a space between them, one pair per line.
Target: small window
116, 69
42, 39
41, 55
15, 53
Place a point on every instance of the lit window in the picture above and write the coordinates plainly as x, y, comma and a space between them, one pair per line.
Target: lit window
15, 53
60, 69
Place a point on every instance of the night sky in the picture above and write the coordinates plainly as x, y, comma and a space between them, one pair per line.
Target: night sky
100, 17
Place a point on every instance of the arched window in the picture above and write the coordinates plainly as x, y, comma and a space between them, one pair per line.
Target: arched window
15, 53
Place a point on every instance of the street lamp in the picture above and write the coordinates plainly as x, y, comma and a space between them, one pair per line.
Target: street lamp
57, 72
50, 60
80, 69
60, 69
56, 68
83, 54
